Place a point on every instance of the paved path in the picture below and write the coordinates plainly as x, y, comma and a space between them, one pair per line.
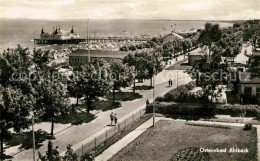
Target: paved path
78, 134
115, 148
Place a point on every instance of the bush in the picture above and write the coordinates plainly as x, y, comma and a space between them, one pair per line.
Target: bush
183, 109
238, 110
247, 126
179, 95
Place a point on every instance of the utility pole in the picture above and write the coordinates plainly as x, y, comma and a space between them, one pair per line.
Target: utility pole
153, 98
33, 137
88, 43
177, 81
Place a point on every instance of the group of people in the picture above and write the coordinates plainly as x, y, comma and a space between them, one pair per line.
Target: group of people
170, 82
113, 118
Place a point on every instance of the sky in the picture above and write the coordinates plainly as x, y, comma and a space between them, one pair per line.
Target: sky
131, 9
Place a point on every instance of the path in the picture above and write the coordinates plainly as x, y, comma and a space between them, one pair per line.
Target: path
115, 148
78, 134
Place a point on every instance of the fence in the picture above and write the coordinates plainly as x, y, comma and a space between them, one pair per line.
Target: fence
93, 144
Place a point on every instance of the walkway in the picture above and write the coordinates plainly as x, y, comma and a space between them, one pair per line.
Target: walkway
115, 148
80, 134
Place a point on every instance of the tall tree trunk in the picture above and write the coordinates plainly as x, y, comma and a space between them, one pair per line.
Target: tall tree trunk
134, 86
2, 148
77, 101
88, 105
114, 95
52, 124
209, 49
151, 81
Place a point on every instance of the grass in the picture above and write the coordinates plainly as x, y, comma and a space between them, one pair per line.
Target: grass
105, 105
143, 87
76, 118
188, 117
170, 137
25, 139
124, 96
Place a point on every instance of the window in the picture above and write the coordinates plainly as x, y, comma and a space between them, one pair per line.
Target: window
258, 94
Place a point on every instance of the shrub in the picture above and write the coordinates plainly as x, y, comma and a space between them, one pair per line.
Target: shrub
247, 126
238, 110
183, 109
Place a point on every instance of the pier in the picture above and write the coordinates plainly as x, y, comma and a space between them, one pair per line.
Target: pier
91, 40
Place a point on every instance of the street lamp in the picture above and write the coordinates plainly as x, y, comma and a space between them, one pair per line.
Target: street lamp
33, 137
153, 97
88, 43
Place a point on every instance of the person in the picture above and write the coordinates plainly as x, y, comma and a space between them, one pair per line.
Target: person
56, 151
115, 118
170, 82
111, 118
147, 102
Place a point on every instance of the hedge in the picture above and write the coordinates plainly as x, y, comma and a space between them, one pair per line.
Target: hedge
237, 110
183, 109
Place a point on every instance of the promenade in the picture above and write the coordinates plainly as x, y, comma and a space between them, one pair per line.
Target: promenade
76, 135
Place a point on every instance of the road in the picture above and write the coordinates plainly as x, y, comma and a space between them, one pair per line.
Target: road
76, 134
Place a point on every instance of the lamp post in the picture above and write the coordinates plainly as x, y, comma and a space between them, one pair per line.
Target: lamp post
33, 137
88, 43
153, 97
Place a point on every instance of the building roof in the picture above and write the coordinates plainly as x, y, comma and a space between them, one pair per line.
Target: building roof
100, 53
173, 34
245, 78
256, 53
199, 51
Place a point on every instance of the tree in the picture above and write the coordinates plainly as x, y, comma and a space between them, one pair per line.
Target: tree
96, 83
122, 76
15, 111
74, 87
40, 58
210, 35
167, 50
51, 100
208, 72
254, 66
131, 62
148, 64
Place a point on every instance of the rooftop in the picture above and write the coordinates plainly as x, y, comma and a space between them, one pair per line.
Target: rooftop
174, 34
100, 53
245, 78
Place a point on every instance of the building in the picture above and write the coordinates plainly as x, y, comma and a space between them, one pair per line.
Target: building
194, 55
59, 34
171, 37
249, 89
80, 57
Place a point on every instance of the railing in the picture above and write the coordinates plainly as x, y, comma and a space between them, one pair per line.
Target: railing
93, 144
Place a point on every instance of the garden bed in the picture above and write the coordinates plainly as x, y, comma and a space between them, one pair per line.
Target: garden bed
169, 138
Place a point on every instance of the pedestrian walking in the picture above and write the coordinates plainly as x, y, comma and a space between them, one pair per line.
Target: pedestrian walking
147, 102
170, 82
115, 118
111, 118
56, 151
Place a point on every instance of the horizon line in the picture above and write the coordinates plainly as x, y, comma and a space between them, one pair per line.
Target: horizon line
32, 19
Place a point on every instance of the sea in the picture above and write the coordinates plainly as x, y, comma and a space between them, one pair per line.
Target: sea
23, 32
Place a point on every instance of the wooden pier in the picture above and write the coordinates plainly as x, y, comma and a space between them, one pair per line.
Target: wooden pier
84, 40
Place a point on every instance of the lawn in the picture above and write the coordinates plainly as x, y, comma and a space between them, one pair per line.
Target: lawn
173, 138
124, 96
